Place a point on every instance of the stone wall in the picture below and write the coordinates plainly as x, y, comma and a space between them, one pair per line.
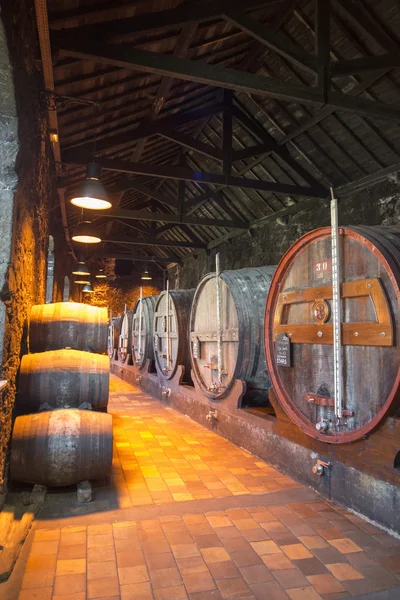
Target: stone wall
116, 294
379, 205
28, 192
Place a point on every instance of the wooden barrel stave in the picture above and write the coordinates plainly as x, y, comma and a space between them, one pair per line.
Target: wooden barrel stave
61, 447
68, 325
114, 328
63, 379
179, 311
370, 257
125, 336
243, 296
147, 338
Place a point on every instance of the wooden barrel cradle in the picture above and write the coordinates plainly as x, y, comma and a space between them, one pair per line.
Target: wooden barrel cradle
142, 333
68, 325
298, 315
63, 379
171, 339
125, 336
61, 447
243, 294
114, 328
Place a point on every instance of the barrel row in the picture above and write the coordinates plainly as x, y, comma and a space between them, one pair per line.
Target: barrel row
276, 329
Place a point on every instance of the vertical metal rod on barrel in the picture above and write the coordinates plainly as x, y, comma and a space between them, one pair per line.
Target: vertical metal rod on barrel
167, 325
219, 329
337, 310
140, 325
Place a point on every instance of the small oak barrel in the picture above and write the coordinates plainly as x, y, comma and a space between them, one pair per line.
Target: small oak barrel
142, 333
114, 328
243, 295
299, 332
125, 336
171, 333
61, 447
63, 379
68, 325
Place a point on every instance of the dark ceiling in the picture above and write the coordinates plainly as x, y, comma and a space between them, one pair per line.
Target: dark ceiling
209, 118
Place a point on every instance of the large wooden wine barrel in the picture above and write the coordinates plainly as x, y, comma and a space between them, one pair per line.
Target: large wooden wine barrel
125, 336
142, 332
299, 332
243, 295
114, 328
61, 447
171, 338
68, 325
63, 379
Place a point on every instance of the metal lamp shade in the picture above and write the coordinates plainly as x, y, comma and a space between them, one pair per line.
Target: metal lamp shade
81, 269
91, 193
86, 233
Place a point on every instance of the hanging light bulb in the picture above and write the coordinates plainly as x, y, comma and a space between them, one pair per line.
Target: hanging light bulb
86, 233
82, 281
81, 269
100, 274
87, 289
146, 275
91, 193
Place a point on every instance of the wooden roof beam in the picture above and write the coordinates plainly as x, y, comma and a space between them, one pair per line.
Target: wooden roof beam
144, 130
269, 37
132, 257
125, 56
183, 173
157, 242
145, 215
365, 64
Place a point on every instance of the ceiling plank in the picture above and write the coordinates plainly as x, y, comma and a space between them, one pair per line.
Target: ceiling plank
127, 57
125, 184
183, 139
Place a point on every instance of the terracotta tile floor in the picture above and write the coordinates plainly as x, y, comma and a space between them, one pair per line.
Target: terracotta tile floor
190, 515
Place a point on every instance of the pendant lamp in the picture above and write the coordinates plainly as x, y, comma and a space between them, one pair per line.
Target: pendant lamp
146, 275
91, 193
81, 269
86, 233
82, 281
87, 289
100, 274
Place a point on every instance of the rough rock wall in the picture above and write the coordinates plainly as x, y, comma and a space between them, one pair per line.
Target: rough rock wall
115, 294
378, 205
28, 192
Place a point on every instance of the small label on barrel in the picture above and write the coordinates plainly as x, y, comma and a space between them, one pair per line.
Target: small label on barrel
195, 348
282, 350
322, 268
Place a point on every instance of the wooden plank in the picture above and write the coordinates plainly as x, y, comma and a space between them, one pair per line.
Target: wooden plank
269, 37
250, 152
171, 218
126, 57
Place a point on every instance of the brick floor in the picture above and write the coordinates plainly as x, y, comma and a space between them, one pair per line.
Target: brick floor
171, 525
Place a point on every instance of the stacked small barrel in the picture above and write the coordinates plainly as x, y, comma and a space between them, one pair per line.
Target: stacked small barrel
61, 437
